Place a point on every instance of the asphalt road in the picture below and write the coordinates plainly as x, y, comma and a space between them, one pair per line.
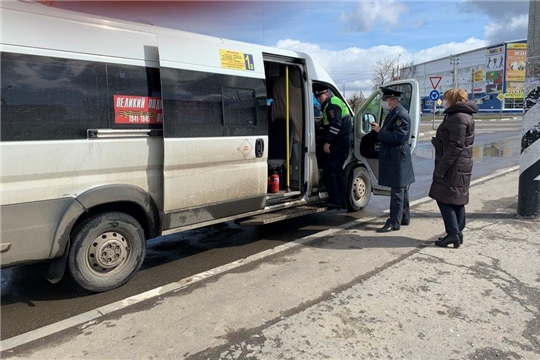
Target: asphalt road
28, 301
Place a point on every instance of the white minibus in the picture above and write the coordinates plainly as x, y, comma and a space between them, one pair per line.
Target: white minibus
113, 133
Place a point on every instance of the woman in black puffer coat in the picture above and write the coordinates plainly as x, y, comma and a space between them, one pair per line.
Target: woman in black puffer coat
453, 164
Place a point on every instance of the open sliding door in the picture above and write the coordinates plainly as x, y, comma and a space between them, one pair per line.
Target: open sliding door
286, 89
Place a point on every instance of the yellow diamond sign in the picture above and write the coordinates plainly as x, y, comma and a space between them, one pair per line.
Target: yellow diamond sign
500, 97
439, 102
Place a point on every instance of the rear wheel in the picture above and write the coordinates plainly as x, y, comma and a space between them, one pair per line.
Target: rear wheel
358, 189
106, 251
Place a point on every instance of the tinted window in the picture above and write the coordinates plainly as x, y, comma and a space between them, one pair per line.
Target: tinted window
199, 104
239, 107
46, 98
134, 96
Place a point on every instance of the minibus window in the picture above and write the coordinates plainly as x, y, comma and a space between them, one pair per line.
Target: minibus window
45, 98
134, 94
239, 107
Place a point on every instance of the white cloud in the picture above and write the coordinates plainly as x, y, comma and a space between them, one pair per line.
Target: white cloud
512, 29
496, 9
369, 14
509, 20
443, 50
353, 66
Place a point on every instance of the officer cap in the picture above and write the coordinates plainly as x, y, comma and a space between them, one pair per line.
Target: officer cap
320, 91
388, 93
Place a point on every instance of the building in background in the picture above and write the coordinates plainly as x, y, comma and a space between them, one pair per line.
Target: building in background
494, 77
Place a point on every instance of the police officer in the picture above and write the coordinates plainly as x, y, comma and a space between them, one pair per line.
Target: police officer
395, 163
337, 119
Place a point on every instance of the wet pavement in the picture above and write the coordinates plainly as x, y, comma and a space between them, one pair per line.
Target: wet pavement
346, 293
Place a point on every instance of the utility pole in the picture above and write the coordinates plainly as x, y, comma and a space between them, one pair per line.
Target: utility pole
398, 72
472, 84
454, 61
529, 159
344, 90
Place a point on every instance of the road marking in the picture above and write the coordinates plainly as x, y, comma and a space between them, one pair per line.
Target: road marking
89, 317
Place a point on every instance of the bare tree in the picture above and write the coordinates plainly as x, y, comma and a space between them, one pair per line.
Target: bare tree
383, 71
407, 71
356, 100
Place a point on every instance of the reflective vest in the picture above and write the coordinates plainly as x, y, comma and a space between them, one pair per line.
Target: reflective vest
336, 101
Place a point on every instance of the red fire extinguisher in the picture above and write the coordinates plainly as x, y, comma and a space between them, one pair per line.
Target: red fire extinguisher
273, 183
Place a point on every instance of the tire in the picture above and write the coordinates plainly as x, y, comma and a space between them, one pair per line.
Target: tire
358, 189
106, 251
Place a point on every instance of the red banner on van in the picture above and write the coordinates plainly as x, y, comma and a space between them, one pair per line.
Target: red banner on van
129, 109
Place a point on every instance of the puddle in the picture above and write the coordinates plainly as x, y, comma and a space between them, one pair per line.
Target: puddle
499, 149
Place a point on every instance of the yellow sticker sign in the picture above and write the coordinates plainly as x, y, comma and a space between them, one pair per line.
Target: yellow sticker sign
500, 97
236, 60
479, 75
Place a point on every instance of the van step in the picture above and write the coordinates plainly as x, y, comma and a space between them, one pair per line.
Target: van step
284, 214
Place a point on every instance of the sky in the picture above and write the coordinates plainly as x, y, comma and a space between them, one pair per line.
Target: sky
346, 37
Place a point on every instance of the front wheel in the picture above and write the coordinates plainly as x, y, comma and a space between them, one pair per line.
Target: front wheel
358, 189
106, 251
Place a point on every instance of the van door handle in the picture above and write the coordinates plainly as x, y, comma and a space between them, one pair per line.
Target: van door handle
259, 148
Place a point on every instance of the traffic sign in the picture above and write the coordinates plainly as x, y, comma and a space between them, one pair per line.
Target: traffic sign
435, 80
434, 95
439, 102
500, 97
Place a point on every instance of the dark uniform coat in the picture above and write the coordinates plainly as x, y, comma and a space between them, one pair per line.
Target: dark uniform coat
453, 155
338, 136
395, 163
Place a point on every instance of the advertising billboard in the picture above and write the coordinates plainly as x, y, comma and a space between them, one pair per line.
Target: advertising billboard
478, 75
494, 69
516, 55
515, 90
516, 58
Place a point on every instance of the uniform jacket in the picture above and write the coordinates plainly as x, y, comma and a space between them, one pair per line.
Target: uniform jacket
338, 117
453, 155
395, 163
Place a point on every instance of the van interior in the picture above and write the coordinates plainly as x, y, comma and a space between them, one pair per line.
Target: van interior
285, 134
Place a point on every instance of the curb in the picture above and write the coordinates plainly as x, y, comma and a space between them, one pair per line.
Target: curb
427, 133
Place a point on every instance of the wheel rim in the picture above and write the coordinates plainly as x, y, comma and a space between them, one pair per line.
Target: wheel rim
359, 189
109, 252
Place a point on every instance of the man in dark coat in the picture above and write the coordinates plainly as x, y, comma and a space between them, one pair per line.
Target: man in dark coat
395, 163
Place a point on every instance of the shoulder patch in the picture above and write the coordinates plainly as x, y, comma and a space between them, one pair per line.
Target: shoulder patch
331, 113
398, 122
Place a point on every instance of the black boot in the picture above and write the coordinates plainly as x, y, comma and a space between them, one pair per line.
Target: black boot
447, 240
460, 238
